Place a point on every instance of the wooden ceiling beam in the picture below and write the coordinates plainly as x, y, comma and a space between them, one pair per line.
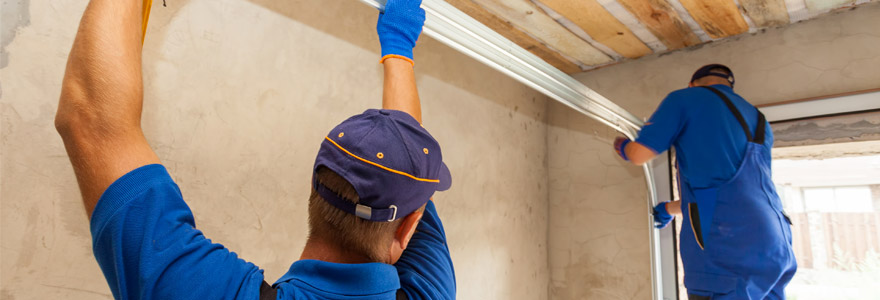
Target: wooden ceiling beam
603, 27
529, 18
661, 20
516, 36
766, 13
718, 18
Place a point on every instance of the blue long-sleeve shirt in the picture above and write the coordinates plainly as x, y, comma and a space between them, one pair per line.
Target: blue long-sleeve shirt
147, 245
709, 142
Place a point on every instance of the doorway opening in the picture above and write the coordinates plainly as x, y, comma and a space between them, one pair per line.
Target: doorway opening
832, 194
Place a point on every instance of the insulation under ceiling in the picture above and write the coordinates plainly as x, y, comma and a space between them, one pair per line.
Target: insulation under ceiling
579, 35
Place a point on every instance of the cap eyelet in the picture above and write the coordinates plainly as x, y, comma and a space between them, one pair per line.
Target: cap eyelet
341, 134
380, 155
425, 150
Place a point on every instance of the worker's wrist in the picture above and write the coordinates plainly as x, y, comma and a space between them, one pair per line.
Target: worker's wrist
622, 149
396, 46
397, 56
663, 209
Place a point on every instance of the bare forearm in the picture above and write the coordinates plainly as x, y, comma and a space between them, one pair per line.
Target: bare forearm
399, 91
638, 154
99, 111
103, 79
674, 207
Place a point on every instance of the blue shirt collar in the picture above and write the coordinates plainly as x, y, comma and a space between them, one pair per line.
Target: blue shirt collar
344, 279
722, 87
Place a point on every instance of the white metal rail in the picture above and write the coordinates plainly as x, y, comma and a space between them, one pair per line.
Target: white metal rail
456, 29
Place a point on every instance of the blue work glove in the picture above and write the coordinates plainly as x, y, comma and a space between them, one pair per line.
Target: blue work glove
661, 215
619, 145
399, 27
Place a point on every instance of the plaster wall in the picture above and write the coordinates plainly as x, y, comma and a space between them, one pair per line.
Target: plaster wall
238, 96
598, 224
598, 232
835, 129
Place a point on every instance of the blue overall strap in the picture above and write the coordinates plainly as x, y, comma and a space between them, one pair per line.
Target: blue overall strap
759, 131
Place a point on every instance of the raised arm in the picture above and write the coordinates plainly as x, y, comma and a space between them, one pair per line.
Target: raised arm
425, 268
399, 91
399, 26
99, 112
633, 152
658, 134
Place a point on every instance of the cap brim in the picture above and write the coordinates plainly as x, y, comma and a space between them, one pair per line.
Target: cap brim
445, 178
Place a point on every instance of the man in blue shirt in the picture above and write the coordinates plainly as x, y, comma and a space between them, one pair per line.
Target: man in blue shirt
374, 232
736, 239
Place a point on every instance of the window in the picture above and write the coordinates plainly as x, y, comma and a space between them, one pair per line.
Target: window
836, 199
834, 203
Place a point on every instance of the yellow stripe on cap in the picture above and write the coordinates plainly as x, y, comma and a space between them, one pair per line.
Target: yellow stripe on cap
381, 166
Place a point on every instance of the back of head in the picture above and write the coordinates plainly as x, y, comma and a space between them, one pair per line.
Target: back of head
346, 231
711, 75
373, 172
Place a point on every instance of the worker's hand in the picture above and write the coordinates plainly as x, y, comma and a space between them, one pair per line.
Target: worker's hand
661, 215
619, 146
399, 27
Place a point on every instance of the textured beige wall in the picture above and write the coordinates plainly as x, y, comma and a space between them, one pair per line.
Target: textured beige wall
238, 97
598, 227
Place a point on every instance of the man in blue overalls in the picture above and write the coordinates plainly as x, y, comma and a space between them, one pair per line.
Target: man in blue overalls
374, 232
735, 240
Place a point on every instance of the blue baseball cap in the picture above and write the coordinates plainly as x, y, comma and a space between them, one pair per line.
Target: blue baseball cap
393, 163
707, 71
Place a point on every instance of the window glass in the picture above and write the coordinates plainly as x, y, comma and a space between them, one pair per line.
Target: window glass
834, 204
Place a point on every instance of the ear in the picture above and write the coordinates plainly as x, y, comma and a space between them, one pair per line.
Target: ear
691, 84
403, 234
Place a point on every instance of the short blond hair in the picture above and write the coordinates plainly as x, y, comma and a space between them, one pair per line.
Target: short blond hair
347, 231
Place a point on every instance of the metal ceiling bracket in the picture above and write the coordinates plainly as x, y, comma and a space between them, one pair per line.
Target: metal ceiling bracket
456, 29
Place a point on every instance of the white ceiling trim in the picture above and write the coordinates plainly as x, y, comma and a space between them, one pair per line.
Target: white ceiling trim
822, 107
799, 10
818, 7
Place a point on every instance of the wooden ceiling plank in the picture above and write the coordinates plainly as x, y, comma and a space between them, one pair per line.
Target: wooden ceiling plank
718, 18
527, 17
660, 18
603, 27
766, 13
516, 36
